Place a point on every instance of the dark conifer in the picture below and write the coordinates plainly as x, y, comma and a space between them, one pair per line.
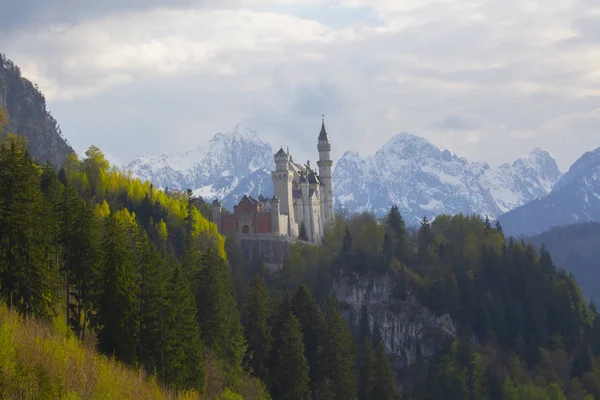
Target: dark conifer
384, 382
118, 301
305, 310
337, 358
366, 371
218, 316
256, 316
292, 377
303, 234
183, 350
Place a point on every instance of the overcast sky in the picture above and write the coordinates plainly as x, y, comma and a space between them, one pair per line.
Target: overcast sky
488, 79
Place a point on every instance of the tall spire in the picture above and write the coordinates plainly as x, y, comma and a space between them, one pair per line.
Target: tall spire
323, 135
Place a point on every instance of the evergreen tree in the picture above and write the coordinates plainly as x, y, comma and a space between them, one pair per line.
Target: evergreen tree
424, 238
367, 371
499, 227
384, 382
399, 239
83, 267
305, 309
218, 315
183, 353
337, 358
25, 279
303, 234
292, 378
117, 308
256, 328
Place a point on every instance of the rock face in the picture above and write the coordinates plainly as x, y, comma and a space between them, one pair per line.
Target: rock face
28, 117
421, 179
575, 198
407, 327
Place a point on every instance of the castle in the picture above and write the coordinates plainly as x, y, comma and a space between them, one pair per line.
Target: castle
302, 206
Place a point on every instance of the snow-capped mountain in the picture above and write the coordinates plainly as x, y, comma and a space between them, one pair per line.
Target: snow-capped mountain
425, 181
575, 198
227, 167
408, 171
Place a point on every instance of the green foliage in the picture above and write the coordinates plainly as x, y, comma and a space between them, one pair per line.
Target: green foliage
257, 331
218, 315
292, 378
183, 350
384, 382
337, 357
118, 305
303, 234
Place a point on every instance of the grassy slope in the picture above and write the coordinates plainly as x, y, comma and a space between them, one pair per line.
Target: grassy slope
39, 361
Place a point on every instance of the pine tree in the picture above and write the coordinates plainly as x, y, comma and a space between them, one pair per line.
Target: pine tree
218, 315
337, 358
278, 318
305, 309
499, 227
25, 279
257, 329
367, 371
117, 308
84, 266
303, 235
292, 378
397, 226
183, 353
424, 238
384, 383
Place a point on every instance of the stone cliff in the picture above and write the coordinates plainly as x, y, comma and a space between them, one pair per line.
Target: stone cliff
407, 327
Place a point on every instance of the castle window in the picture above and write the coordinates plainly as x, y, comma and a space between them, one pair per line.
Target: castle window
245, 229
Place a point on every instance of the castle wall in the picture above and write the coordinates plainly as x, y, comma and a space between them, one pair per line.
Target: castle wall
263, 223
228, 225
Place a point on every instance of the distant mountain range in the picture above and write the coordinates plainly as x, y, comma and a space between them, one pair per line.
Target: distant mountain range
425, 181
407, 170
575, 198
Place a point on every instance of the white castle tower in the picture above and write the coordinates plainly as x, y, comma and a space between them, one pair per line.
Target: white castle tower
325, 176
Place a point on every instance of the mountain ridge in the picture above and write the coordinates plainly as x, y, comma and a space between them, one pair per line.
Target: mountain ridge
574, 199
408, 170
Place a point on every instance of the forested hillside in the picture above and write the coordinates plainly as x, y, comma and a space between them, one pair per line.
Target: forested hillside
523, 329
144, 277
27, 116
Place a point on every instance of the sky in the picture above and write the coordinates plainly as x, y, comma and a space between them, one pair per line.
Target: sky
489, 80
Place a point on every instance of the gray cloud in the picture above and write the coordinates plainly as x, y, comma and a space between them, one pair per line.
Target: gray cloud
489, 80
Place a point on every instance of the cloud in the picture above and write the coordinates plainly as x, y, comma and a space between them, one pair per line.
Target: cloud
488, 79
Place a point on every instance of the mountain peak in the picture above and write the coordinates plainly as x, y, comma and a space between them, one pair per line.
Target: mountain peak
407, 145
244, 132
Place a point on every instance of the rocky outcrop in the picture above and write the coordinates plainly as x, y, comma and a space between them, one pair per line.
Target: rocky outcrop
407, 327
28, 117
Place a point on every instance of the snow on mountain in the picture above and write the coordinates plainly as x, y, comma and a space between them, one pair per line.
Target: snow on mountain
575, 198
423, 180
408, 171
220, 168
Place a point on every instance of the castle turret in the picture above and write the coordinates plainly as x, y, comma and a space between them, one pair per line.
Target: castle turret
282, 182
216, 213
275, 215
325, 175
